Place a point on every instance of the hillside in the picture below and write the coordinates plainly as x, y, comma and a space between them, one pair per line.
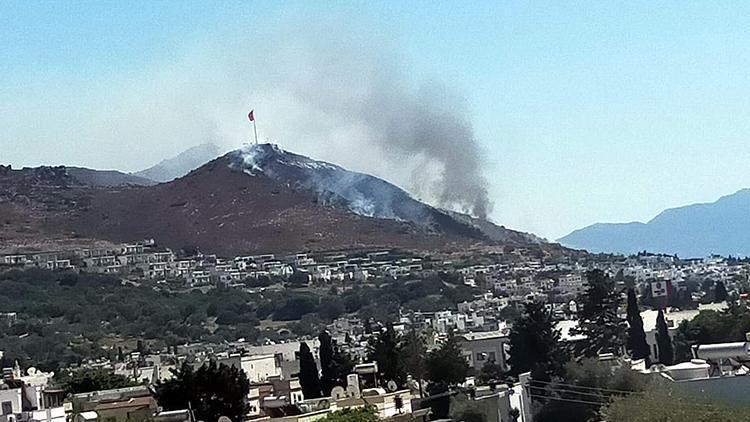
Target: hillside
721, 227
261, 198
223, 210
256, 199
362, 194
180, 165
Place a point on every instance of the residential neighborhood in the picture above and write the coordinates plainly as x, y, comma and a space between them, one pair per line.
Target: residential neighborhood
501, 287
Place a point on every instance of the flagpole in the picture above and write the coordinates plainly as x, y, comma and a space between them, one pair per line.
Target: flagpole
255, 130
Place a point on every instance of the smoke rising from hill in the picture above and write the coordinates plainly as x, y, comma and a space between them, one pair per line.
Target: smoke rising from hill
338, 91
416, 134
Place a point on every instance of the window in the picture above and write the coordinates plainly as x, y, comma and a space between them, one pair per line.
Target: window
7, 408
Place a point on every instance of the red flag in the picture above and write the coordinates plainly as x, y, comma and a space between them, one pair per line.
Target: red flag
251, 116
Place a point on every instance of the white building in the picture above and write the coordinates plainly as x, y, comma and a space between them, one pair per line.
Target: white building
257, 368
572, 283
482, 347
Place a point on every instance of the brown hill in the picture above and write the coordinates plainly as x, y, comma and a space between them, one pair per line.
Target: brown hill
225, 209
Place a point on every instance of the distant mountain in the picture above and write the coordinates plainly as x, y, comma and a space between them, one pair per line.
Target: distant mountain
721, 227
182, 164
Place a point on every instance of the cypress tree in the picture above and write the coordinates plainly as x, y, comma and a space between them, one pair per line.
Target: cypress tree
663, 341
720, 293
308, 373
326, 362
636, 335
335, 364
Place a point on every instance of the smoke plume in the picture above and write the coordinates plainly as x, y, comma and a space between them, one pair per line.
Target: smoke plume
361, 100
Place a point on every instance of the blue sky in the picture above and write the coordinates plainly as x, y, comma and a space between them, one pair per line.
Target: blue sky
585, 112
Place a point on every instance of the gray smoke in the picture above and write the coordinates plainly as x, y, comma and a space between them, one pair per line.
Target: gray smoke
430, 123
421, 132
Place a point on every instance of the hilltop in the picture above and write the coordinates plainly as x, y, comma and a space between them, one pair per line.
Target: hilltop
255, 199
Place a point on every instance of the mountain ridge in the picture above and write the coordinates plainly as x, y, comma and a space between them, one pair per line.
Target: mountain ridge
694, 230
174, 167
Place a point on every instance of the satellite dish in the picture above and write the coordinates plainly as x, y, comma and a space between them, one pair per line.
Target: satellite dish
392, 386
338, 393
224, 419
31, 371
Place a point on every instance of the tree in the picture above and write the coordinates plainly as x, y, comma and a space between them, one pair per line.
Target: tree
711, 326
299, 278
308, 373
295, 306
534, 344
360, 414
213, 390
598, 321
465, 409
720, 292
414, 354
327, 376
574, 400
663, 341
491, 372
335, 364
682, 342
636, 335
86, 380
446, 366
331, 308
384, 349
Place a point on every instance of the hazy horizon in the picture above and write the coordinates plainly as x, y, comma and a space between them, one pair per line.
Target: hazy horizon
566, 116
